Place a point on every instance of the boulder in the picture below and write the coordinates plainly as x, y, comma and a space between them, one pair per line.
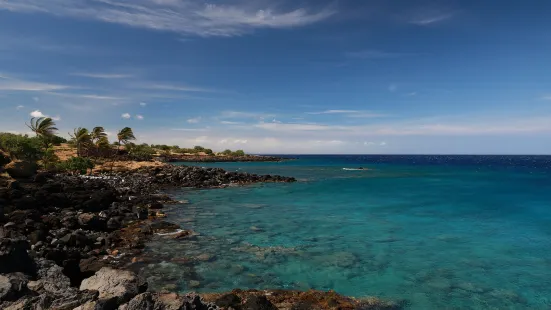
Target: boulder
255, 302
229, 300
4, 158
171, 301
12, 286
51, 279
21, 169
113, 284
92, 222
15, 258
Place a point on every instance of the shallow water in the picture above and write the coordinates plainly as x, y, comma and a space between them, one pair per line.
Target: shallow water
441, 232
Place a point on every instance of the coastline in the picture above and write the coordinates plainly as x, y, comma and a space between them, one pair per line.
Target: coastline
216, 158
71, 230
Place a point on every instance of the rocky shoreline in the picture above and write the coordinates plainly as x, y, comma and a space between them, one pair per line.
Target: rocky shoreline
69, 242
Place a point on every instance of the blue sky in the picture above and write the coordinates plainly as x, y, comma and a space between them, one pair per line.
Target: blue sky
446, 77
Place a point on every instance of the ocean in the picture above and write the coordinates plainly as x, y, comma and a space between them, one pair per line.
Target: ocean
432, 232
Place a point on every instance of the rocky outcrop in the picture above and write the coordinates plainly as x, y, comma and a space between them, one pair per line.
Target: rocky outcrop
120, 285
155, 301
12, 286
4, 158
21, 169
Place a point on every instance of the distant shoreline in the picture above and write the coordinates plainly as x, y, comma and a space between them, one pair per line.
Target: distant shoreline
216, 158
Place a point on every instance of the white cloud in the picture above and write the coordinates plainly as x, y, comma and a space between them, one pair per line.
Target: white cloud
194, 120
126, 115
185, 16
102, 75
240, 141
143, 104
37, 113
19, 107
139, 117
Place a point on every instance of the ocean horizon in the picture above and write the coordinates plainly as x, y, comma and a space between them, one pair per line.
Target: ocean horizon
428, 231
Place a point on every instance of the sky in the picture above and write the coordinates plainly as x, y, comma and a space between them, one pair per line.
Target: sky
285, 77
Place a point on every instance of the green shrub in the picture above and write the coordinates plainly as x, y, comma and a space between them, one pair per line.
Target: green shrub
49, 159
76, 165
21, 147
239, 153
142, 152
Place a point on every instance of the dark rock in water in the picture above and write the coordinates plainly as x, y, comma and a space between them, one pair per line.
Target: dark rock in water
229, 300
120, 285
156, 206
255, 302
12, 286
21, 169
163, 227
14, 257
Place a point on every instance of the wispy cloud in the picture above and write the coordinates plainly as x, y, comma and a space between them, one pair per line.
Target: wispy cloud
431, 17
372, 54
189, 129
182, 88
126, 115
350, 113
230, 123
102, 75
334, 112
139, 117
143, 104
185, 16
11, 84
194, 120
19, 107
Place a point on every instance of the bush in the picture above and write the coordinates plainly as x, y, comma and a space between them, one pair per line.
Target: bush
239, 153
21, 147
142, 152
50, 159
76, 165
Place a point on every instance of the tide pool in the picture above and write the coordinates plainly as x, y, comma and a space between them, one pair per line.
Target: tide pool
437, 232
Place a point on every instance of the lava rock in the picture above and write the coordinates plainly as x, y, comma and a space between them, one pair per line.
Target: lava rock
255, 302
21, 169
120, 285
12, 286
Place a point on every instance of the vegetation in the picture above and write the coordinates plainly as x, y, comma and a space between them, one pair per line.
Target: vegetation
141, 152
125, 135
21, 147
82, 139
90, 145
76, 165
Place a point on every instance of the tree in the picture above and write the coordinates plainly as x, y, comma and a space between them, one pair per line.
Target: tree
44, 128
81, 138
97, 134
239, 153
227, 152
102, 143
125, 135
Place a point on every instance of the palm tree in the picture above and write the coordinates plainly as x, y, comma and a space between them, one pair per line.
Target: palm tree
102, 143
97, 134
43, 127
81, 138
125, 135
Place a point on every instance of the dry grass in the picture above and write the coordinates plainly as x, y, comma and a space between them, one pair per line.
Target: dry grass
64, 151
119, 166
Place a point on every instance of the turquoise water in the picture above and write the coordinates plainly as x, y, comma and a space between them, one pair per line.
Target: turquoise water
438, 232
